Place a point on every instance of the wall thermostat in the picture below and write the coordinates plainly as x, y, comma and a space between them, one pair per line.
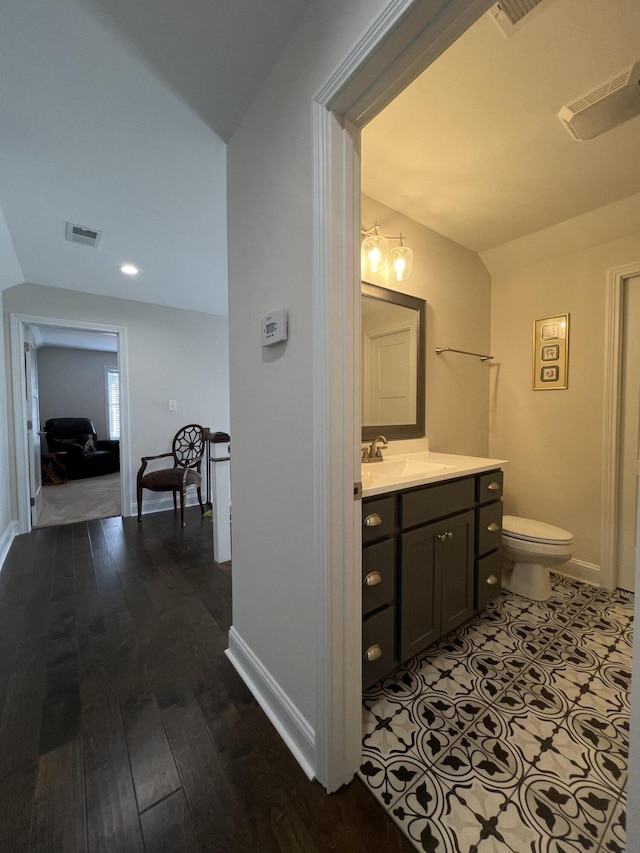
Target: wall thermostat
274, 328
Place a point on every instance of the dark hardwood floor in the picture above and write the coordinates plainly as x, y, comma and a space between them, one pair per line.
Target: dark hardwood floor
123, 726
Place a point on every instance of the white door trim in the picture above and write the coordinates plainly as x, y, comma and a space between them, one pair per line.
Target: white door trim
611, 421
18, 326
402, 40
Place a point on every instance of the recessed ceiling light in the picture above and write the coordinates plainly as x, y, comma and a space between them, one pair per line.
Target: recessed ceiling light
128, 269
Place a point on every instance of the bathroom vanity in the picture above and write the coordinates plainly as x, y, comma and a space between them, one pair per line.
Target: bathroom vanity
431, 555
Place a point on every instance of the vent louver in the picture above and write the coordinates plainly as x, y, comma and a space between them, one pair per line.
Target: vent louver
83, 235
604, 107
508, 14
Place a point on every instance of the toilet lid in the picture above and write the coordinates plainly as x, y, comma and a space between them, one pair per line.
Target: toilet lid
537, 531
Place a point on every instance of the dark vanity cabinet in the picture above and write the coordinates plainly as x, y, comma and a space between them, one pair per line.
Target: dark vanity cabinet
431, 559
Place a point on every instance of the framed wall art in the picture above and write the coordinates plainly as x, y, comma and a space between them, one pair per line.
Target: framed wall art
551, 353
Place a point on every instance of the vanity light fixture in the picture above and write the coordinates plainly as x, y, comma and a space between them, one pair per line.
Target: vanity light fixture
128, 269
374, 254
401, 258
374, 250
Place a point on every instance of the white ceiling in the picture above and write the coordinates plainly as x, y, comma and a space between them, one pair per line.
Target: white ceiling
474, 149
112, 116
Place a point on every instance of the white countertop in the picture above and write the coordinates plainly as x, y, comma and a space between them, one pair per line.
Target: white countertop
403, 471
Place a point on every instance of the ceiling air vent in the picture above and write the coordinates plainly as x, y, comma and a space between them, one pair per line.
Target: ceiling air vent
509, 14
604, 107
80, 234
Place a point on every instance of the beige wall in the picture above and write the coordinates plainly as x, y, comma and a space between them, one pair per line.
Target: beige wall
553, 439
457, 288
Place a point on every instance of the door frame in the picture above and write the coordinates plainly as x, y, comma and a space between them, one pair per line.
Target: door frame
18, 325
402, 40
611, 421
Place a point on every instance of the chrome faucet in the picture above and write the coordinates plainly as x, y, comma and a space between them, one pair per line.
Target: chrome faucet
373, 453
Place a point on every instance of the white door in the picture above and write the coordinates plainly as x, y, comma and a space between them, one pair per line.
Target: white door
629, 434
32, 404
390, 376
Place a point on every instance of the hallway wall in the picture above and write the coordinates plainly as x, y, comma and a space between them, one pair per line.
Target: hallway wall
173, 355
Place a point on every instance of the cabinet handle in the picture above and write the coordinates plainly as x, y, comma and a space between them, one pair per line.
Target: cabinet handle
442, 537
493, 486
373, 653
372, 520
373, 579
450, 535
492, 580
493, 527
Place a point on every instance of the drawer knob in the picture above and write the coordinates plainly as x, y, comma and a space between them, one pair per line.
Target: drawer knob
372, 520
442, 537
373, 579
493, 527
373, 653
492, 580
493, 486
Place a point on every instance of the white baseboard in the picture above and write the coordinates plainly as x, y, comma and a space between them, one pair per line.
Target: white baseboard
290, 724
160, 504
581, 571
8, 535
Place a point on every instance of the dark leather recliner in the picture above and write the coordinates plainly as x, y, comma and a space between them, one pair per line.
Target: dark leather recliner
86, 456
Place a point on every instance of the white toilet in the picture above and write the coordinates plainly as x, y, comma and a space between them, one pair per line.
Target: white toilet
533, 547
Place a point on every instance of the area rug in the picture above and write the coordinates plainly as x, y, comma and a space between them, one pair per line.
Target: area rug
81, 500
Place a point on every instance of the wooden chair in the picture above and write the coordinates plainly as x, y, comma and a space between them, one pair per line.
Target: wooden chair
187, 452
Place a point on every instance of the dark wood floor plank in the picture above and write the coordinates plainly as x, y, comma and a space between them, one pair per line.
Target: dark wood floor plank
16, 798
167, 827
58, 811
112, 816
218, 818
22, 711
154, 771
60, 721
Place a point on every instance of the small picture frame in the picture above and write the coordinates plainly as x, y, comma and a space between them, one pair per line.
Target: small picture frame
549, 373
551, 353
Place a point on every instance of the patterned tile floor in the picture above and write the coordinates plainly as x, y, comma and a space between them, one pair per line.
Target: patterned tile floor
510, 735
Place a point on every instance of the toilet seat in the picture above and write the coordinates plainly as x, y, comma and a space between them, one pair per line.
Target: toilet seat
529, 530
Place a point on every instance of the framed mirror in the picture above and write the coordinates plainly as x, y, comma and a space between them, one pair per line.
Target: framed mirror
393, 330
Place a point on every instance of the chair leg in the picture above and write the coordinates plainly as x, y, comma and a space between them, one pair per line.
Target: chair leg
139, 491
182, 502
175, 505
200, 500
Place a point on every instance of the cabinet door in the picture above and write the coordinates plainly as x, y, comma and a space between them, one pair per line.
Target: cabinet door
420, 589
455, 560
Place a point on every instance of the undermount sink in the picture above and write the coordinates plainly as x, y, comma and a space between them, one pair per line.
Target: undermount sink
400, 469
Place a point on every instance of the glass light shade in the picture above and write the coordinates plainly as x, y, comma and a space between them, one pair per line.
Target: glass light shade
374, 253
400, 263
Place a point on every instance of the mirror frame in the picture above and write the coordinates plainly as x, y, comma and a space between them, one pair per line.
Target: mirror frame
417, 429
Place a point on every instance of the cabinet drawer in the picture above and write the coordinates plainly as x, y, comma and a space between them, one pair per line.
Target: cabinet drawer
489, 487
436, 501
378, 575
378, 643
489, 528
488, 579
378, 518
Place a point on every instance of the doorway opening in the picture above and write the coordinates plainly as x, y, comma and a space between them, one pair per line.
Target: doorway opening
27, 423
